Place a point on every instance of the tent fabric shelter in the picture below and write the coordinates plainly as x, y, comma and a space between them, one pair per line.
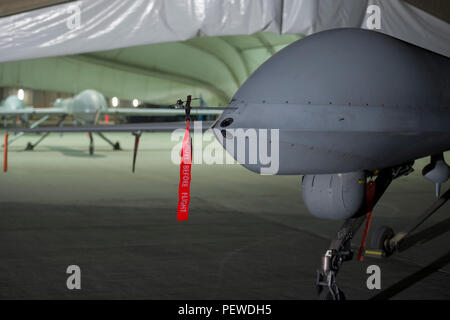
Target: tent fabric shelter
210, 67
161, 50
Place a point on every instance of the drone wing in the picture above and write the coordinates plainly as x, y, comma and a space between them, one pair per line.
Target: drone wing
163, 111
34, 111
132, 127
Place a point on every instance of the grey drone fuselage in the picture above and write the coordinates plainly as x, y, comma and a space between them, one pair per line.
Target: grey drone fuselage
84, 106
346, 101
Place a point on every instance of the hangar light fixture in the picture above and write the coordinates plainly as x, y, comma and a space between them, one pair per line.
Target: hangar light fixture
21, 94
135, 103
115, 102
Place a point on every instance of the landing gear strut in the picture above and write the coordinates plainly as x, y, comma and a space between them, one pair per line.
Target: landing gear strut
340, 249
30, 146
91, 143
116, 146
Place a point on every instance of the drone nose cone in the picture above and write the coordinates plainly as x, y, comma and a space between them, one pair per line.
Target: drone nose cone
229, 120
88, 103
13, 103
246, 141
224, 125
91, 100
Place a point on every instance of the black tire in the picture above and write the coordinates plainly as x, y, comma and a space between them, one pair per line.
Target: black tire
29, 147
325, 294
379, 238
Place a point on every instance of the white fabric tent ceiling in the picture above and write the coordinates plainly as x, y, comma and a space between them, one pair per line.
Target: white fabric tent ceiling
158, 50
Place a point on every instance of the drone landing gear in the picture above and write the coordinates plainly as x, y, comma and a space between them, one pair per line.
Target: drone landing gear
91, 143
340, 249
116, 146
386, 242
30, 146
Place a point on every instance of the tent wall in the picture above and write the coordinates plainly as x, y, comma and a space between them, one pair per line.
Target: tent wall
158, 51
111, 24
213, 67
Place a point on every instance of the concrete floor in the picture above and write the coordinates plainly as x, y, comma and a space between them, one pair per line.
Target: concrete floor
247, 237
